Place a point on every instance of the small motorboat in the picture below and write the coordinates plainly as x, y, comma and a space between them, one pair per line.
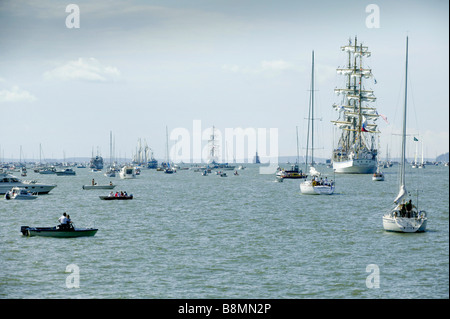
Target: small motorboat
58, 231
116, 197
107, 186
65, 172
19, 193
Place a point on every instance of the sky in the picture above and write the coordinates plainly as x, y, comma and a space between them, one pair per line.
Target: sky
134, 67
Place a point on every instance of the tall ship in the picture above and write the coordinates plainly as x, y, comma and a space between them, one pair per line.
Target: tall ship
144, 156
356, 152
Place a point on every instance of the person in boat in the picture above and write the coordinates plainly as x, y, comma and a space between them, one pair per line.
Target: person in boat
403, 210
63, 219
110, 183
93, 182
409, 206
111, 194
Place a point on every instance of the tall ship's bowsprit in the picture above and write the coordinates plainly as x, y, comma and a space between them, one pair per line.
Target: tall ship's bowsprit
356, 151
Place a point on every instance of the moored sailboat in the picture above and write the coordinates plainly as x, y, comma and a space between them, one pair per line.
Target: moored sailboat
314, 186
404, 217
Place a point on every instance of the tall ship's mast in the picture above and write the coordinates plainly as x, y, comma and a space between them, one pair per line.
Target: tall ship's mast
356, 151
213, 149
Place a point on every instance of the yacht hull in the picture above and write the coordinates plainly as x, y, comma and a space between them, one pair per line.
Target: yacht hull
356, 166
307, 188
404, 224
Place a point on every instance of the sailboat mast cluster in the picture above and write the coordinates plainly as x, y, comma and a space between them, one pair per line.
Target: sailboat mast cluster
356, 151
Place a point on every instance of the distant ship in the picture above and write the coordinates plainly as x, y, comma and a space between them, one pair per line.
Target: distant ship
356, 152
144, 156
96, 163
256, 159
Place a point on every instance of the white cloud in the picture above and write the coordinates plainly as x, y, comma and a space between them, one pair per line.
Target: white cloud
265, 67
16, 95
84, 69
277, 65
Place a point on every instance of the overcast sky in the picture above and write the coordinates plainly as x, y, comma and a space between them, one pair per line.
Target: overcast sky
133, 67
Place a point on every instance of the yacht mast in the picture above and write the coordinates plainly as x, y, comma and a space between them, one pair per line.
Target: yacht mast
402, 172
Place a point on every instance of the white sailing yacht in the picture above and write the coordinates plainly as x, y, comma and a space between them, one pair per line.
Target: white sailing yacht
356, 152
110, 172
404, 217
415, 164
378, 175
422, 163
168, 169
314, 185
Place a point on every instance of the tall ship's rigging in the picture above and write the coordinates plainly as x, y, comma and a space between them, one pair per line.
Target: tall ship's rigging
356, 152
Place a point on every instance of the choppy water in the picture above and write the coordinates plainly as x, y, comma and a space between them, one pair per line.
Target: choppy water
190, 236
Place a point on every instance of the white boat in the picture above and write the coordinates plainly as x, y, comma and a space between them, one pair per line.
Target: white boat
314, 185
356, 152
17, 193
404, 217
422, 164
127, 172
65, 172
8, 181
110, 172
47, 170
378, 175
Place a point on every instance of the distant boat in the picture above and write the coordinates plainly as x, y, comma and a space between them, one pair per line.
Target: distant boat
110, 172
107, 186
404, 217
294, 173
127, 172
128, 197
152, 163
378, 175
57, 231
314, 186
256, 159
47, 170
96, 163
168, 169
8, 181
67, 171
17, 193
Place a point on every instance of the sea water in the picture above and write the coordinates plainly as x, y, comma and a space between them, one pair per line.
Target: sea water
185, 235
